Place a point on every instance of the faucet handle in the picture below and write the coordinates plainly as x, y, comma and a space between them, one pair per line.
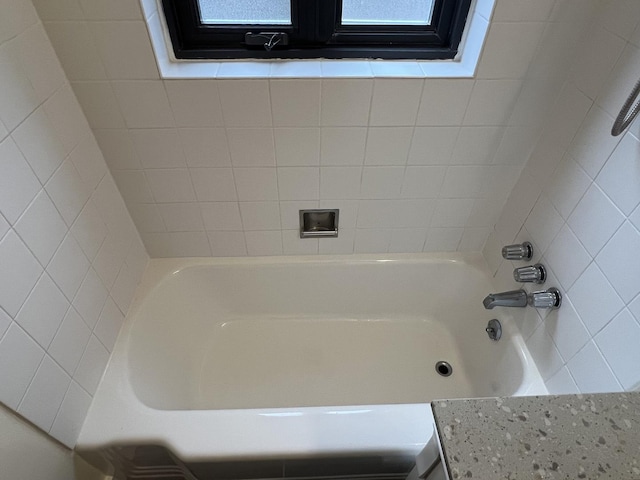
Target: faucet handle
519, 251
550, 298
531, 274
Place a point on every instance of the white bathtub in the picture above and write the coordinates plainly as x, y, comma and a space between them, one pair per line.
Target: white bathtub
297, 357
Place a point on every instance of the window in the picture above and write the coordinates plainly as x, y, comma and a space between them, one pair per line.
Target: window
402, 29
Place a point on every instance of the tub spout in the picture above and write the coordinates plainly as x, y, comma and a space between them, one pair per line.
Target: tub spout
514, 298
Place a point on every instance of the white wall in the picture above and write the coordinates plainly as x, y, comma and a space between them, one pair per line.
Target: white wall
577, 201
70, 256
221, 167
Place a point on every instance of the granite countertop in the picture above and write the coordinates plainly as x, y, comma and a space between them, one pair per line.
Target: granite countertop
543, 437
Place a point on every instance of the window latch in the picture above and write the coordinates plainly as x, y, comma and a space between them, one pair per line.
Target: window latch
267, 39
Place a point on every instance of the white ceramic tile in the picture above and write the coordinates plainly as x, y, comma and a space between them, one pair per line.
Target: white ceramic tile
395, 102
567, 187
92, 365
20, 357
381, 182
260, 215
177, 244
181, 217
433, 145
43, 311
133, 186
594, 310
618, 178
38, 141
412, 213
238, 70
561, 383
485, 212
68, 267
251, 147
41, 228
66, 427
343, 145
342, 244
476, 145
340, 182
297, 146
452, 212
544, 352
474, 239
376, 213
112, 209
68, 192
221, 216
77, 50
292, 244
144, 104
5, 322
254, 184
3, 131
544, 223
227, 244
346, 102
195, 103
174, 185
17, 97
621, 17
595, 219
116, 10
70, 340
295, 103
444, 101
99, 104
621, 80
90, 298
635, 218
299, 183
118, 149
423, 182
388, 145
89, 162
147, 217
45, 394
89, 230
567, 330
19, 272
618, 343
109, 323
622, 269
158, 148
212, 184
634, 307
245, 103
18, 184
109, 260
407, 240
205, 147
264, 243
443, 239
463, 182
372, 240
516, 42
491, 102
591, 372
19, 17
567, 257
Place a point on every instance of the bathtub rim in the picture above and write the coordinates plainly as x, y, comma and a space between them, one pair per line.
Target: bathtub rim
117, 417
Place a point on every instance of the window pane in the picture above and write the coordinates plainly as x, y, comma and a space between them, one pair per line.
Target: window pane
383, 12
263, 12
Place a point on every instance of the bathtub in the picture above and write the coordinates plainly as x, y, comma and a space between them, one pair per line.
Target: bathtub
281, 358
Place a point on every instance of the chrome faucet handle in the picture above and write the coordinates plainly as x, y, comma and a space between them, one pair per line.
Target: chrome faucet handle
531, 274
519, 251
550, 298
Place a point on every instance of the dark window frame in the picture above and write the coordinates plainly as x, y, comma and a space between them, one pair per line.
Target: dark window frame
316, 32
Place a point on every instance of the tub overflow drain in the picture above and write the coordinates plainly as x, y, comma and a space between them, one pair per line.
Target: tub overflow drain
444, 368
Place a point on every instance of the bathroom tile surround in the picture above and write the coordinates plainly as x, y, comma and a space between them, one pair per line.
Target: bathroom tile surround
70, 256
578, 201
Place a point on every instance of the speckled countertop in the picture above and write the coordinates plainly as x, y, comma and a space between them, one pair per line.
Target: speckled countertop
545, 437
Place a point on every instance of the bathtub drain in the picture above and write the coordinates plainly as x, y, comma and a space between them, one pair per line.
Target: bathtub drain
444, 368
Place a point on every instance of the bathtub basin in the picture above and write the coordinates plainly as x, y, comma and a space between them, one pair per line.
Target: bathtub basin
272, 358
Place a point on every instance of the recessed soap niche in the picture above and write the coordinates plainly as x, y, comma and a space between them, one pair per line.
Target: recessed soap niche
319, 223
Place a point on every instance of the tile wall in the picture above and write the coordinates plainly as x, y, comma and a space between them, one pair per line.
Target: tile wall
221, 167
70, 256
578, 202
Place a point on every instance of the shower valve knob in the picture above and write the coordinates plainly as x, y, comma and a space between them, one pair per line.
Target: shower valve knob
531, 274
519, 251
550, 298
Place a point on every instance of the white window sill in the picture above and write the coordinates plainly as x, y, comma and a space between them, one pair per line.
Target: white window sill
463, 66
